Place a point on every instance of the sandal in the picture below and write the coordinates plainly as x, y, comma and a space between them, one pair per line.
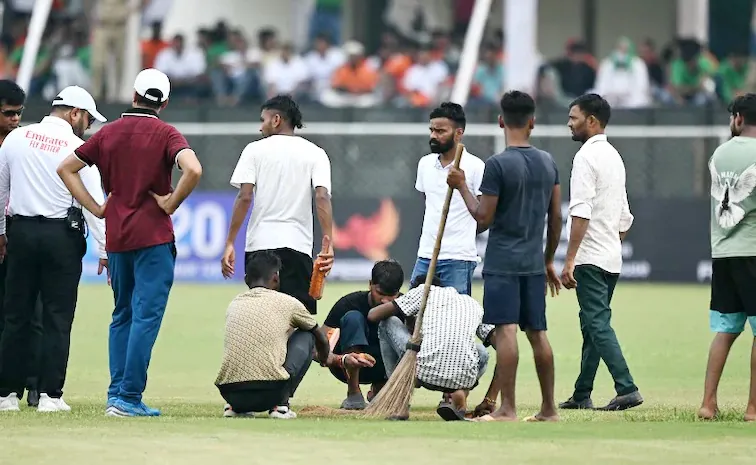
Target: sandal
448, 412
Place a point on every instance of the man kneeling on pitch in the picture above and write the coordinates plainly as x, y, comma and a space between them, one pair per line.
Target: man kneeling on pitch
269, 343
449, 359
357, 335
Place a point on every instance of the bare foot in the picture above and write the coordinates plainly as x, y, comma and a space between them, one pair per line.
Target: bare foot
491, 417
750, 414
500, 414
708, 412
541, 417
484, 408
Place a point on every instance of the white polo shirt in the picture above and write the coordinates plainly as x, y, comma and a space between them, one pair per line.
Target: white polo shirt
285, 171
29, 159
597, 193
461, 228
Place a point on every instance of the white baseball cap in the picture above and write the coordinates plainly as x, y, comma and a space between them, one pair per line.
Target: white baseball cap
78, 97
153, 85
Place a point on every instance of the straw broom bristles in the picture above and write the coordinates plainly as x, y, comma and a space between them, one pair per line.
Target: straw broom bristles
393, 400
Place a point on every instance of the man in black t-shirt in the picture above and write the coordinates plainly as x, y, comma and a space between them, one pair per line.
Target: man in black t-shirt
357, 335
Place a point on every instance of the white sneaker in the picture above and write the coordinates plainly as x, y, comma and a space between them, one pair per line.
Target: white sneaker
228, 412
51, 404
9, 403
282, 412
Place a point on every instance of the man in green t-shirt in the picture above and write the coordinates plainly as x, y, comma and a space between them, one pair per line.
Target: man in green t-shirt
733, 249
691, 76
732, 75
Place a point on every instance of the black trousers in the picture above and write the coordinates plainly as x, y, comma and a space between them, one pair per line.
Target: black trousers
34, 361
261, 396
296, 273
44, 258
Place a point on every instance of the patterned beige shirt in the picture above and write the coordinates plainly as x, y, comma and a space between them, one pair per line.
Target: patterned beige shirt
258, 324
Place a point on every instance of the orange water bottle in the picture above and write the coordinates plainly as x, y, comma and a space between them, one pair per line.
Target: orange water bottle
317, 282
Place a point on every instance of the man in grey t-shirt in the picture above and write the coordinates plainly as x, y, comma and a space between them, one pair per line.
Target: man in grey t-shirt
520, 188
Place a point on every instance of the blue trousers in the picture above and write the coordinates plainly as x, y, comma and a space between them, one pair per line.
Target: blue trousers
355, 332
141, 280
452, 273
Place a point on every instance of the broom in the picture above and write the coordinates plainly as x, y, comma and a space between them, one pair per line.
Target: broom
392, 402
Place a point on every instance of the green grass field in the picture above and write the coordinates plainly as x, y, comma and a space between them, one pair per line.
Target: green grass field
663, 330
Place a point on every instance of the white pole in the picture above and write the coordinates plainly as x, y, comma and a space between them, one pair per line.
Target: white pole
693, 19
2, 16
470, 49
521, 47
40, 13
132, 63
301, 11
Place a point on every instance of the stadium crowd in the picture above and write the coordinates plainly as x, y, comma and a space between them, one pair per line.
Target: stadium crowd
231, 66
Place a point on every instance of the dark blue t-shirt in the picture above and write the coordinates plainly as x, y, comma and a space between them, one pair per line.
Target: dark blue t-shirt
523, 178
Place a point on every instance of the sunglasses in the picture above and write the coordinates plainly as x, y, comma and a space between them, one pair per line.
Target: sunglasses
12, 113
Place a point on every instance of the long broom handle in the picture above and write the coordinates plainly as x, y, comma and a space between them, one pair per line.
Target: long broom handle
416, 334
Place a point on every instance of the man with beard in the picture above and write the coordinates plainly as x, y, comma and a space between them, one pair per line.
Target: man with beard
600, 216
12, 99
458, 257
47, 244
733, 250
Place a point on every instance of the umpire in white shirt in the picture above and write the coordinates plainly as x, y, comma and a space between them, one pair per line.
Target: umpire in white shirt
46, 243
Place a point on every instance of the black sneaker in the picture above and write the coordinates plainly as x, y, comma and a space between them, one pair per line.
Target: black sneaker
572, 404
32, 398
625, 402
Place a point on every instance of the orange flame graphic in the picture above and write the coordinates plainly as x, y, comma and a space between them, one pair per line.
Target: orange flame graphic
370, 236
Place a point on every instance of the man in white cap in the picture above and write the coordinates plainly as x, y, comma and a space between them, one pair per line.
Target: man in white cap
136, 155
47, 243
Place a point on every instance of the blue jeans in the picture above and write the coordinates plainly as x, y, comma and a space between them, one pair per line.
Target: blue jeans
354, 330
354, 333
452, 273
394, 335
142, 280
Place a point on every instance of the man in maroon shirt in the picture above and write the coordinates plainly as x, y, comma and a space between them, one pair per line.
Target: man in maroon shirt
136, 155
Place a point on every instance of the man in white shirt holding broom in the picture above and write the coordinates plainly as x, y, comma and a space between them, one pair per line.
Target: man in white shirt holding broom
458, 256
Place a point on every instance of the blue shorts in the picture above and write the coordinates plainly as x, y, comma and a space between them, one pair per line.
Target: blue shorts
509, 300
732, 323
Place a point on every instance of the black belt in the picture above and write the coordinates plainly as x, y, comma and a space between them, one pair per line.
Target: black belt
39, 219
